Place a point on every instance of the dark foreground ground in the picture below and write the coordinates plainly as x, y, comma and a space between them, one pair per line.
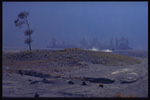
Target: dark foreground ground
77, 75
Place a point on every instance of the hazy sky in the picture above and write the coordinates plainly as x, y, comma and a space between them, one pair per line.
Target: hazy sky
71, 21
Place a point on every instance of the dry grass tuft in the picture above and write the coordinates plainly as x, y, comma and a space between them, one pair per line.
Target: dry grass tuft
120, 95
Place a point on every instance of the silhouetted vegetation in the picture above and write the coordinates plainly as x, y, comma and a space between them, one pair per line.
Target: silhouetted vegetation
22, 19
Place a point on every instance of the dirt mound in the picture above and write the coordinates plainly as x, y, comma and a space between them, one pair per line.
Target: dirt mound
70, 57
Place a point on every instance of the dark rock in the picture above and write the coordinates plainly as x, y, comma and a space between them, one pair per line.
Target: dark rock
34, 82
83, 83
45, 55
69, 94
20, 72
25, 72
36, 95
29, 80
46, 81
31, 73
39, 75
99, 80
70, 82
101, 85
46, 75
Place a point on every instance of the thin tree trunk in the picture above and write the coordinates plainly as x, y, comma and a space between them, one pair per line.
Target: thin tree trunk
29, 43
30, 46
29, 35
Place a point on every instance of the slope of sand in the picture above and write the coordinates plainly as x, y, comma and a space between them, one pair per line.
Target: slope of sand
101, 80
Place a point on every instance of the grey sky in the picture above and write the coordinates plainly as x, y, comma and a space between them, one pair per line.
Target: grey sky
71, 21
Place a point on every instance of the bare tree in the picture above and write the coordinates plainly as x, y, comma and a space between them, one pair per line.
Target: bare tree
22, 19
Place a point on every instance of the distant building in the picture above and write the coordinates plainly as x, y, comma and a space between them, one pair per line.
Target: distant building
54, 42
83, 43
95, 43
123, 44
58, 44
111, 43
120, 44
116, 42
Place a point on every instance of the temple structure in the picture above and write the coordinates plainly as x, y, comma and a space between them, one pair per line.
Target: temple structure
118, 44
121, 44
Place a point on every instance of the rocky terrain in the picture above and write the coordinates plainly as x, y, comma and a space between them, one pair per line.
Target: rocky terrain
75, 73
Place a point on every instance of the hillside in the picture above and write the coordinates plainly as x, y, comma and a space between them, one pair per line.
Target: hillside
67, 57
73, 73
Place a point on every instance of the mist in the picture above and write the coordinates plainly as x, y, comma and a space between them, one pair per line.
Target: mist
72, 21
